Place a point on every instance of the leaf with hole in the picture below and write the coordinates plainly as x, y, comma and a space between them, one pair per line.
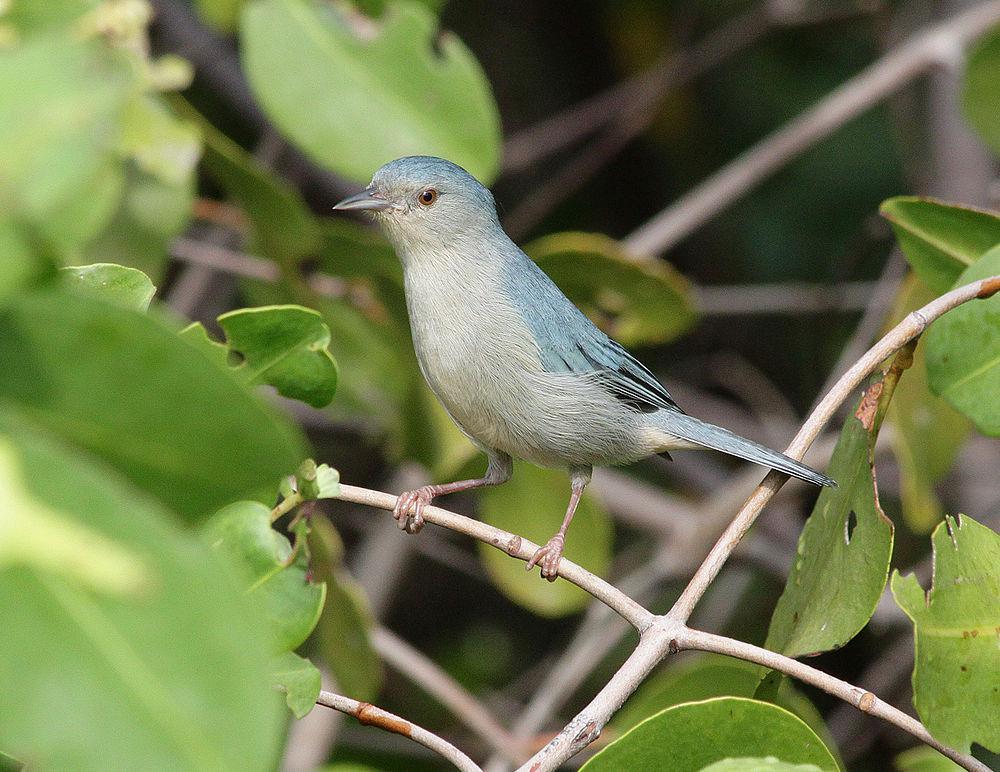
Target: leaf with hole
299, 679
122, 385
843, 555
167, 672
284, 346
277, 582
956, 627
690, 736
634, 302
354, 93
963, 352
532, 504
940, 240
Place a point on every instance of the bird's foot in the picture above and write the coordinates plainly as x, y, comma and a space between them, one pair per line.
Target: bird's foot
409, 509
548, 557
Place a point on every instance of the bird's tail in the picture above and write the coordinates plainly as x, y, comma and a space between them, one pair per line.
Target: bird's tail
706, 435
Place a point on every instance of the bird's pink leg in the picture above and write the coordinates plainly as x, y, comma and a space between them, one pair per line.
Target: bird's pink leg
549, 555
409, 509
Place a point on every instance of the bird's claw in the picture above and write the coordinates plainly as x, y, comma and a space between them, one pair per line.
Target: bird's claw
548, 556
409, 509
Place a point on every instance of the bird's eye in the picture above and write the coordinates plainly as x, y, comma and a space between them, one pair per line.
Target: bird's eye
428, 197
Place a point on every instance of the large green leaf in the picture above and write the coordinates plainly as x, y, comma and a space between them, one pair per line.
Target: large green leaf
284, 346
693, 735
122, 385
981, 90
704, 676
963, 352
281, 591
343, 633
844, 550
957, 635
533, 505
940, 240
635, 302
915, 415
353, 93
169, 673
58, 136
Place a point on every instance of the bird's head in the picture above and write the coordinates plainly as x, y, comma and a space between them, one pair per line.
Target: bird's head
425, 201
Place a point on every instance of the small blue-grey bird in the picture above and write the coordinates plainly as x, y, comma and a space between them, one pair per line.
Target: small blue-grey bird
517, 366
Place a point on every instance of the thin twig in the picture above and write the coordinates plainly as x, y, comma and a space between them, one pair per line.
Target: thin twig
908, 329
938, 44
422, 671
371, 715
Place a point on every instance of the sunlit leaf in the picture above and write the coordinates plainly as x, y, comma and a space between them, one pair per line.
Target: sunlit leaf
281, 590
127, 287
171, 675
299, 679
957, 635
690, 736
532, 504
940, 240
634, 302
963, 352
354, 93
284, 346
122, 385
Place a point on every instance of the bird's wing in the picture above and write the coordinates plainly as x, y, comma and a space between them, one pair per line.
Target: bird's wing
569, 342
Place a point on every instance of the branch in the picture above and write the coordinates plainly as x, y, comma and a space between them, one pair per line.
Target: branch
908, 329
368, 714
436, 682
940, 43
515, 546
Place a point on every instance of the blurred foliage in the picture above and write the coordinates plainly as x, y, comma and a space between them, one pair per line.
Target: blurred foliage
117, 435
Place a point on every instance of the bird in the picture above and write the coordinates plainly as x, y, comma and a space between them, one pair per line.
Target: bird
518, 367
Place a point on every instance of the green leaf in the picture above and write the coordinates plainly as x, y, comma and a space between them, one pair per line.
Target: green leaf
284, 346
915, 415
34, 535
845, 547
957, 635
695, 734
58, 137
173, 676
299, 679
224, 15
923, 758
766, 764
127, 287
940, 240
353, 93
281, 591
981, 89
343, 633
703, 676
533, 505
963, 352
634, 302
162, 144
122, 385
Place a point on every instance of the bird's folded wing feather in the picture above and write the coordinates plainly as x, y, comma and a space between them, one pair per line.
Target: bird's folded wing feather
569, 342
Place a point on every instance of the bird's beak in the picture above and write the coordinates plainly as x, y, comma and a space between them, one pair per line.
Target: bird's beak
366, 199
